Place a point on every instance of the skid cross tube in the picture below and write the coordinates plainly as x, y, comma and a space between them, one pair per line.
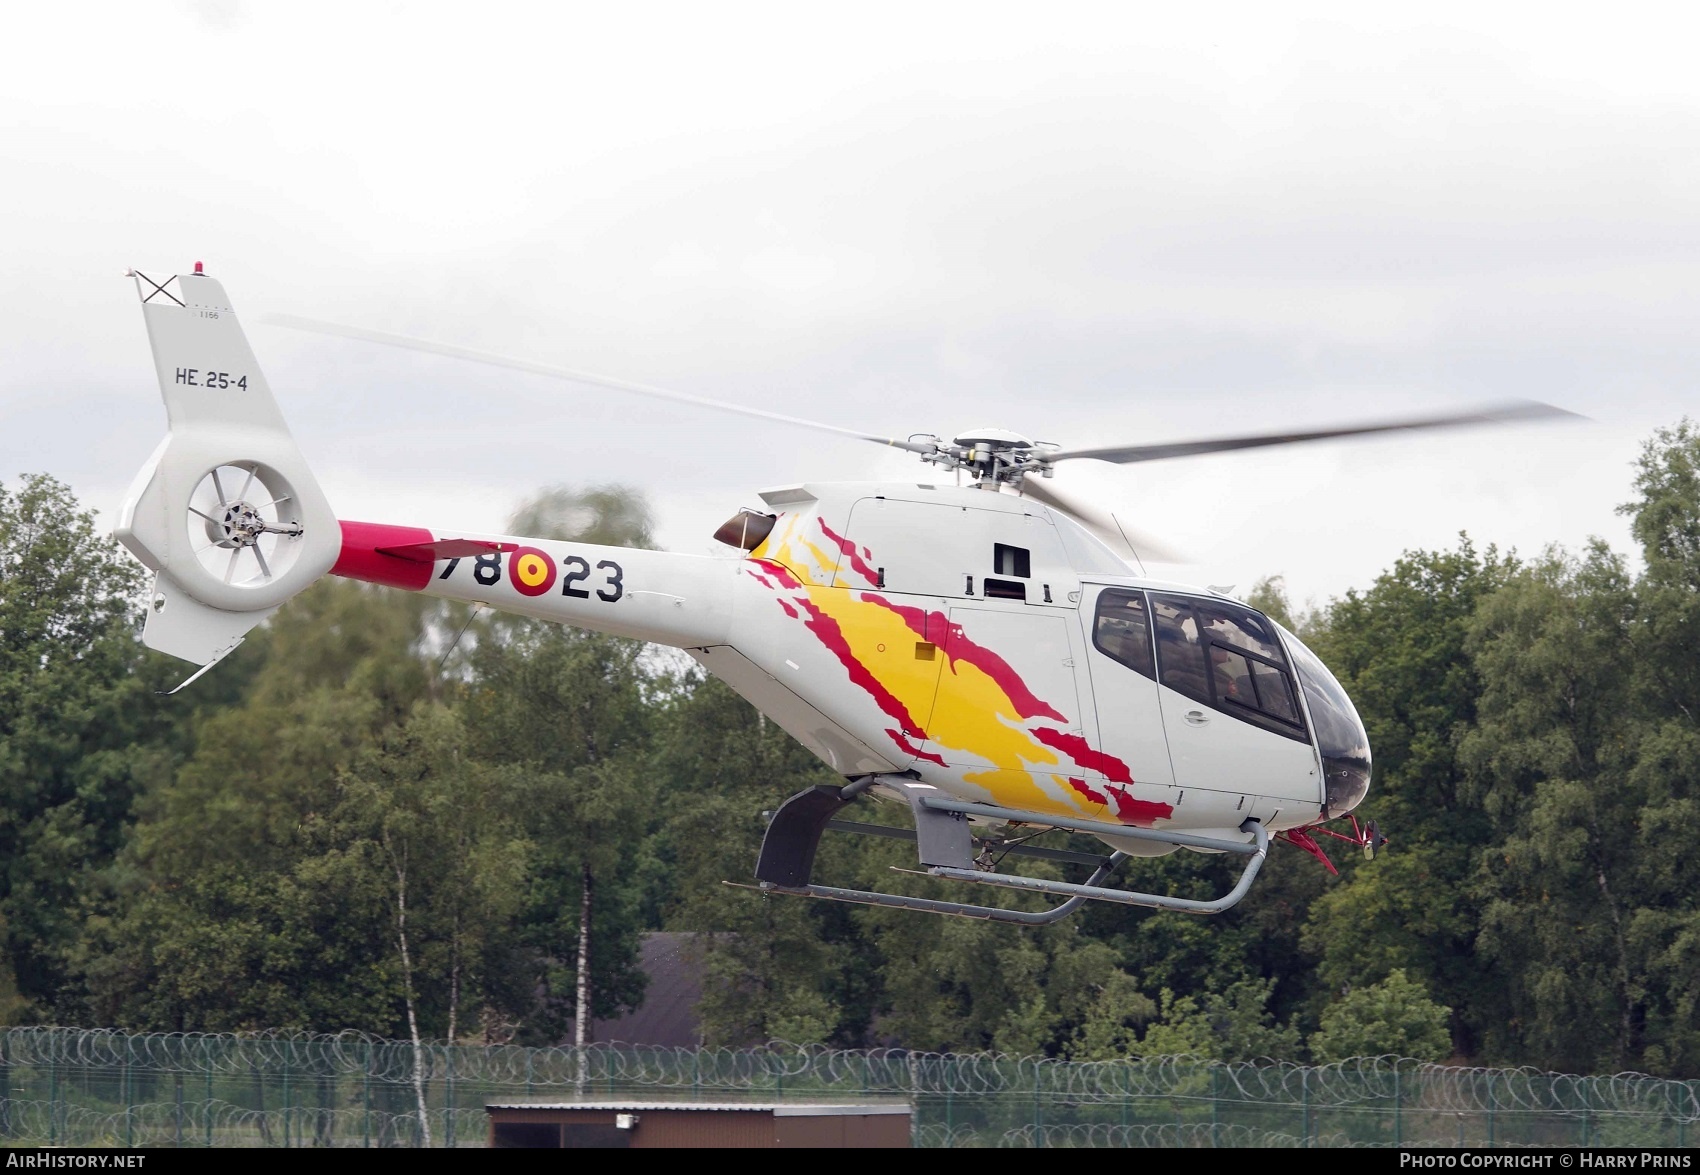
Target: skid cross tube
1016, 850
863, 897
1257, 850
1122, 896
946, 847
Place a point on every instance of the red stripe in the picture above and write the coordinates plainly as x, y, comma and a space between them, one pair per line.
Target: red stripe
1132, 811
826, 629
1127, 809
1087, 790
910, 748
848, 549
1081, 752
958, 647
361, 559
779, 571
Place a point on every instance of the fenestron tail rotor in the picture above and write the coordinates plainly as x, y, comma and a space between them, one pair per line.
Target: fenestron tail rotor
226, 512
244, 525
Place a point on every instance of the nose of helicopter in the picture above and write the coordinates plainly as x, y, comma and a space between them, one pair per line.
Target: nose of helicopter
1340, 734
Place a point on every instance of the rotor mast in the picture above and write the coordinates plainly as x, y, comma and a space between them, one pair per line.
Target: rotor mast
993, 457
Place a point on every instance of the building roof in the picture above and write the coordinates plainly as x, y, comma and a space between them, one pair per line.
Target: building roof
668, 1015
777, 1109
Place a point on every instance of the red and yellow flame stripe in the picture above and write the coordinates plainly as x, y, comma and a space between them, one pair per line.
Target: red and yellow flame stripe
978, 702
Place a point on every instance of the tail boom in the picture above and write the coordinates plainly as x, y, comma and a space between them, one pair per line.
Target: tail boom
683, 601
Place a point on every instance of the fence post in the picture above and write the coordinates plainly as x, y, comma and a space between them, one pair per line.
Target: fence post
449, 1095
1038, 1108
1304, 1085
1215, 1100
5, 1084
1491, 1106
949, 1097
129, 1101
1398, 1109
285, 1094
206, 1054
366, 1101
1587, 1090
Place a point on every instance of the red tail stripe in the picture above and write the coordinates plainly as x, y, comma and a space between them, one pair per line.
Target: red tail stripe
361, 558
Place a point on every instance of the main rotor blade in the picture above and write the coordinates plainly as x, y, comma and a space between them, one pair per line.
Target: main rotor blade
1113, 530
407, 342
1507, 413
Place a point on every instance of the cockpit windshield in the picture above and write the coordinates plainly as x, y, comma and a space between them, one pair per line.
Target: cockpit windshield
1340, 734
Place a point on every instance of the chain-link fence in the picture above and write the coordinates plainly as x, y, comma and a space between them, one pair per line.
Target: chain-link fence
76, 1087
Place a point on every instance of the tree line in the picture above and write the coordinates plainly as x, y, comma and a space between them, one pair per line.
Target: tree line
402, 816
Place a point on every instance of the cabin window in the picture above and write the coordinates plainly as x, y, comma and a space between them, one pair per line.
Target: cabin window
1008, 560
1122, 630
1229, 658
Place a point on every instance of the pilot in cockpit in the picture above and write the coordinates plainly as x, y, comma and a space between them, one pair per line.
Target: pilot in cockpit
1229, 684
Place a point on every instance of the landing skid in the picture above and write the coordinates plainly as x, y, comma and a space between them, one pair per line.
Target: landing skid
946, 846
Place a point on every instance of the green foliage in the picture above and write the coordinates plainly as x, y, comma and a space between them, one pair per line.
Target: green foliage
1110, 1022
1392, 1018
244, 898
1584, 757
1230, 1025
81, 733
778, 967
252, 853
564, 712
1400, 650
445, 830
609, 515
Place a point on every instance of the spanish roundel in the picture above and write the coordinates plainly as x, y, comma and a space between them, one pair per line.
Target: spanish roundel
531, 571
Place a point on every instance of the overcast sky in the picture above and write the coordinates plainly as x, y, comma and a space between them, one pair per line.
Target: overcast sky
1086, 223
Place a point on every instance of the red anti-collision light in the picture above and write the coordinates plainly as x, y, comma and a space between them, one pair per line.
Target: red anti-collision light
198, 267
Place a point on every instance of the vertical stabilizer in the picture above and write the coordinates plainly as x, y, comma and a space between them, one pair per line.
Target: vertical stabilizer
225, 511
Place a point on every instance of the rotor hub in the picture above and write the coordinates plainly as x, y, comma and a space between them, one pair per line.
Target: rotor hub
993, 456
995, 440
240, 525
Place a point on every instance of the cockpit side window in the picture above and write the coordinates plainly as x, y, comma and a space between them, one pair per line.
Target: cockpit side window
1179, 653
1122, 630
1229, 658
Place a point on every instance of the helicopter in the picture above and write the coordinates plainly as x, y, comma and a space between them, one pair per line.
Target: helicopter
979, 653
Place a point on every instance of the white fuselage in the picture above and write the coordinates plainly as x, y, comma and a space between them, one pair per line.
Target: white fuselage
958, 635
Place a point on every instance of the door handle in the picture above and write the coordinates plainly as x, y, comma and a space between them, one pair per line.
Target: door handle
1197, 718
